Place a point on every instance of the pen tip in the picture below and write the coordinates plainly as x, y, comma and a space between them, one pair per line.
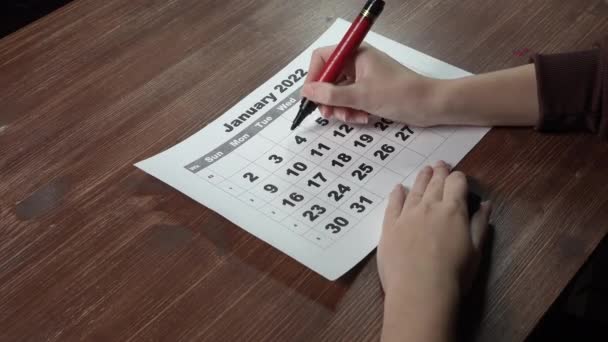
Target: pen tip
297, 120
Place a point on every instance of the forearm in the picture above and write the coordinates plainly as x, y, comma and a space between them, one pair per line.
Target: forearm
502, 98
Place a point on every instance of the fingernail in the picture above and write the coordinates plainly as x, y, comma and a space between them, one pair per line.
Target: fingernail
361, 119
340, 115
440, 163
323, 111
397, 187
330, 111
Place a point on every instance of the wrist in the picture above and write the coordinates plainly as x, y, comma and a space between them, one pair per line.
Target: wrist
440, 293
507, 97
439, 103
446, 104
418, 100
410, 316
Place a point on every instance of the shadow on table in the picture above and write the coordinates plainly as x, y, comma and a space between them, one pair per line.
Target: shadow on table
579, 313
16, 14
315, 287
249, 256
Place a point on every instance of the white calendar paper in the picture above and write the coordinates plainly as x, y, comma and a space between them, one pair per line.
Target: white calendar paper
317, 194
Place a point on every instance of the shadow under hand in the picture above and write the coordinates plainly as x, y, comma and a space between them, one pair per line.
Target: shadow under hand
474, 304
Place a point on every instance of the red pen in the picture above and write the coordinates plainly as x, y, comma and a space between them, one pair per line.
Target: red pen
345, 50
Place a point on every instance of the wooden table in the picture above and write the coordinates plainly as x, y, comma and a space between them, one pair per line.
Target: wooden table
93, 249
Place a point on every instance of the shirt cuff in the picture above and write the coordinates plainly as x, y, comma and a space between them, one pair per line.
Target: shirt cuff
570, 91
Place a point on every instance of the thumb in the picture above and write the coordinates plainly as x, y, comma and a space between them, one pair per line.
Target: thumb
333, 95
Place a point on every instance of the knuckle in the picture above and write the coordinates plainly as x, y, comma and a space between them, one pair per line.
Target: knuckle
329, 95
329, 48
456, 207
362, 96
337, 96
457, 177
415, 195
316, 53
452, 207
427, 171
426, 208
436, 179
435, 184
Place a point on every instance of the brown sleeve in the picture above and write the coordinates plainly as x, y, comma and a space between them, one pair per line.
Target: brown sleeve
573, 91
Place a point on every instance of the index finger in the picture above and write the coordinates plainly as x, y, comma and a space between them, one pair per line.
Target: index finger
317, 62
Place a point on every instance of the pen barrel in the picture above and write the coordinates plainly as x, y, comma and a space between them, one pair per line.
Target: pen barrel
351, 41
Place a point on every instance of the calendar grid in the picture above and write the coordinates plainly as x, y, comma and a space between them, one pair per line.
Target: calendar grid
285, 191
342, 140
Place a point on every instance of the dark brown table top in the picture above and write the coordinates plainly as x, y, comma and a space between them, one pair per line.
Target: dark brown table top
92, 248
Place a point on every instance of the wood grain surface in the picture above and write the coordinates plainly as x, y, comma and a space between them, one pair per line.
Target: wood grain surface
93, 249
